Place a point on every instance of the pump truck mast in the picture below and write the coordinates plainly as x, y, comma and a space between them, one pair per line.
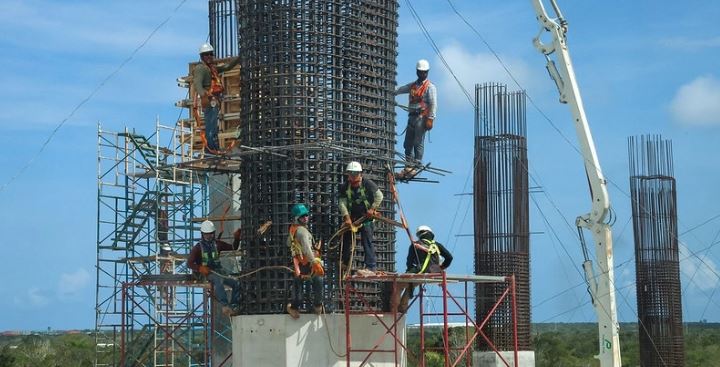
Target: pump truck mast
601, 280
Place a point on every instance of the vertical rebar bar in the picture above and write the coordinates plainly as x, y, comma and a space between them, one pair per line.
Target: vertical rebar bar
657, 266
223, 27
501, 210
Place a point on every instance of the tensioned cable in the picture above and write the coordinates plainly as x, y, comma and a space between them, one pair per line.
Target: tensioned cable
89, 97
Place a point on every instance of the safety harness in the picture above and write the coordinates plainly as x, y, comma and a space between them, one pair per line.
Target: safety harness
361, 197
431, 249
216, 87
209, 258
417, 92
295, 246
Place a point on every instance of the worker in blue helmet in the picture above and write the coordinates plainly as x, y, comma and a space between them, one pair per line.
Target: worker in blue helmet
307, 264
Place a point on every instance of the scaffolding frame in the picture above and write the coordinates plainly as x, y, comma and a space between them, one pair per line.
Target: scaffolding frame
451, 306
145, 201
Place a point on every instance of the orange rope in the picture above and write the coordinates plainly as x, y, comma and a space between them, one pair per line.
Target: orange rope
203, 138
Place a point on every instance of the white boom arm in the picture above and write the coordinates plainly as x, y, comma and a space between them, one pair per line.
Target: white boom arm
601, 286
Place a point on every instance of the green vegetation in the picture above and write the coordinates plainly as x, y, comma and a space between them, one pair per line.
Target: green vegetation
555, 345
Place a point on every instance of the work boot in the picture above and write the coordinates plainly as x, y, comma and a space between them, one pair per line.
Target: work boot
404, 301
319, 309
292, 311
365, 273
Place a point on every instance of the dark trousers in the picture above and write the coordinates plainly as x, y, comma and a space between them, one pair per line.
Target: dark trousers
211, 127
414, 143
297, 291
366, 232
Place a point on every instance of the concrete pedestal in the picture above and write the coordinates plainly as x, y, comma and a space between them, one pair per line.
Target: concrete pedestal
311, 340
491, 359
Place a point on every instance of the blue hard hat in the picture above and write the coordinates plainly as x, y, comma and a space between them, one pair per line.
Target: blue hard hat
298, 210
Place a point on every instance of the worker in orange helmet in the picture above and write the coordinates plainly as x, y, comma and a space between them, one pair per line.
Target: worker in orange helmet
307, 264
204, 261
421, 115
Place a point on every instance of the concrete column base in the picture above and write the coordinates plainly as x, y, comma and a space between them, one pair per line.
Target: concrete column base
526, 358
311, 340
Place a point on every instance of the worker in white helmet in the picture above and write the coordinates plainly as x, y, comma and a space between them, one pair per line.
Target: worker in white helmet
209, 88
204, 261
359, 198
424, 256
421, 114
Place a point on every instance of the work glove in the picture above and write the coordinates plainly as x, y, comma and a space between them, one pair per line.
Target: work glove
371, 213
236, 234
317, 267
204, 270
428, 124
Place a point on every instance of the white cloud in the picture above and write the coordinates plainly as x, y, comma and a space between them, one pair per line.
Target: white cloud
72, 283
471, 68
690, 44
34, 297
698, 102
698, 267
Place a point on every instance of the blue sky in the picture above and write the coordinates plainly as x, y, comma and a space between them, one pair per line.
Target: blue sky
643, 67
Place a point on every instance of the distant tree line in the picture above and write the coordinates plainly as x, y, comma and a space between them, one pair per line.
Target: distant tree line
556, 345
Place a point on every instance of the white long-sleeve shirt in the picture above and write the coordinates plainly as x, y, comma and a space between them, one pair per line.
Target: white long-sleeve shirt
430, 98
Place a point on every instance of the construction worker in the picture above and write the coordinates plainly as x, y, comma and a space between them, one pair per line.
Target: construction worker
421, 115
423, 257
204, 260
359, 198
208, 86
306, 262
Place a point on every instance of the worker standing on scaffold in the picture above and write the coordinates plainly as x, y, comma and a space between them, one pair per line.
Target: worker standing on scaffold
359, 198
307, 264
423, 257
209, 87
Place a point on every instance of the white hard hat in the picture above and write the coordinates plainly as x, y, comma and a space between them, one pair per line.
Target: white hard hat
206, 47
353, 167
207, 227
423, 228
166, 247
423, 65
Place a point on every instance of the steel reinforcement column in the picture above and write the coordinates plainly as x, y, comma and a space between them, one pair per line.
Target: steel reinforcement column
657, 266
313, 72
501, 207
223, 27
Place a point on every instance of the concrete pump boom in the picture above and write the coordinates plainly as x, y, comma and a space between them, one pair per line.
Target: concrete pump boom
600, 285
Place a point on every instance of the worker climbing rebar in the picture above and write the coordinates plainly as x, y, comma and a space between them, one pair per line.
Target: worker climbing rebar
359, 198
421, 116
209, 88
307, 264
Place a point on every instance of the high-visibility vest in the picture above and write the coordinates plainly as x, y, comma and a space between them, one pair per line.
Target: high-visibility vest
432, 250
209, 258
417, 92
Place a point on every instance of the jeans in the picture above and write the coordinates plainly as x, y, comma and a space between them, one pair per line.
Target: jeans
297, 291
211, 126
414, 143
219, 283
366, 232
